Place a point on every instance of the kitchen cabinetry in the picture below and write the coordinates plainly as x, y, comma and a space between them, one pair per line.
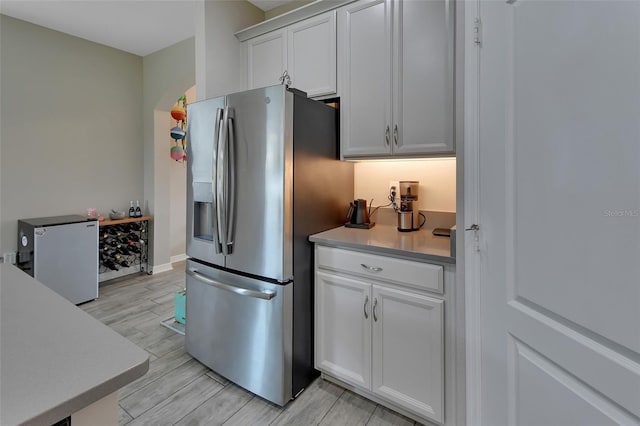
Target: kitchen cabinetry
303, 54
378, 328
396, 78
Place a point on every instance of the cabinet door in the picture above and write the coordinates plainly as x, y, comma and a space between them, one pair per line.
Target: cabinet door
408, 346
266, 59
423, 103
312, 54
364, 77
343, 328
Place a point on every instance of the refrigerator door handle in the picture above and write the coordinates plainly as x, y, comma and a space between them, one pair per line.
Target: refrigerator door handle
231, 174
265, 295
216, 143
221, 183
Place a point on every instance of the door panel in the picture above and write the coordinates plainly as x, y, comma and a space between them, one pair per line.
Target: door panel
245, 338
66, 260
423, 77
560, 236
364, 49
201, 215
343, 331
576, 162
264, 165
267, 58
408, 347
540, 384
312, 54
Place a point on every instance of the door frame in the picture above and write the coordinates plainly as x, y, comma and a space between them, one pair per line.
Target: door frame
470, 246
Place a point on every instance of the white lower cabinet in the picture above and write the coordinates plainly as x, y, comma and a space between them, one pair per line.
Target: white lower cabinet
381, 338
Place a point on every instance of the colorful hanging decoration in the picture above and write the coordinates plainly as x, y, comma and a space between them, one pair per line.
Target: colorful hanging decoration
178, 133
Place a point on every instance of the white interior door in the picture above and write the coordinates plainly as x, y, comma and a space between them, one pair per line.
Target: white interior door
554, 277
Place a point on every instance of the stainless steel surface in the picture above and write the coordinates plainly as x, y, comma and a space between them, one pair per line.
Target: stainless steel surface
371, 268
251, 340
66, 260
375, 305
364, 308
406, 221
222, 189
214, 213
247, 340
264, 173
266, 295
203, 134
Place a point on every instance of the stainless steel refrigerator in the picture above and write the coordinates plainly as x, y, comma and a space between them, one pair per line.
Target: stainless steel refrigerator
263, 174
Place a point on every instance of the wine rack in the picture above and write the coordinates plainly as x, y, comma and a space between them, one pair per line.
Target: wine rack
123, 247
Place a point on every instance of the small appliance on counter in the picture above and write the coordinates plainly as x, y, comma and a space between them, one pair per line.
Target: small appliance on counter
358, 215
408, 209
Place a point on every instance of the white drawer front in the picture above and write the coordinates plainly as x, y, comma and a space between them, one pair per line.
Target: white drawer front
414, 274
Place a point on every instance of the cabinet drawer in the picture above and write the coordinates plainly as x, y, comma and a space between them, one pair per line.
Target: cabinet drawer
414, 274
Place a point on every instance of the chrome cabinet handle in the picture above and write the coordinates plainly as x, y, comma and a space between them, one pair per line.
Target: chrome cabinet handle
395, 135
366, 302
265, 295
371, 268
375, 305
216, 143
386, 135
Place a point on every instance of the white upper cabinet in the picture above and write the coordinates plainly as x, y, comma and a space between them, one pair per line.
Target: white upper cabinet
312, 55
396, 78
364, 52
423, 77
266, 58
304, 51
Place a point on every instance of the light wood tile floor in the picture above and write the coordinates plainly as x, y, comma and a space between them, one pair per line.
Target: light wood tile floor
178, 390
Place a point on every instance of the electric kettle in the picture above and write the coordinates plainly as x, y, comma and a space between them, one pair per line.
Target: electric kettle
358, 215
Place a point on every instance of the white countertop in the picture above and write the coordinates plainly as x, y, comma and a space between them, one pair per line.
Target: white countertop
386, 239
55, 359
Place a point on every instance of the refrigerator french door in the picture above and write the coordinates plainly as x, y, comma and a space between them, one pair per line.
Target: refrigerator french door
260, 163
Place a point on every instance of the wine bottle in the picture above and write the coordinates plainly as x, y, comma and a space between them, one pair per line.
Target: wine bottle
111, 265
124, 263
132, 212
138, 211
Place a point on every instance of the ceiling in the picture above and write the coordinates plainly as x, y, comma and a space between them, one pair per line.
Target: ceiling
140, 27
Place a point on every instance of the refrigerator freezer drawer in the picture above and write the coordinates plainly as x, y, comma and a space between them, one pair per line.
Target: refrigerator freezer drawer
241, 328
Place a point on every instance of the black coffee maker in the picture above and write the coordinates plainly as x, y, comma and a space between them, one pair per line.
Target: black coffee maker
358, 215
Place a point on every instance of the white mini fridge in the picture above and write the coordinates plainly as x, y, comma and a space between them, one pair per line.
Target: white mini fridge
61, 252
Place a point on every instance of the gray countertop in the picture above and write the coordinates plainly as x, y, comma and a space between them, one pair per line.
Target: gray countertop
385, 239
55, 359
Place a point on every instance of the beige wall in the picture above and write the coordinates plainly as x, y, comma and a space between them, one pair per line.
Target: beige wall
70, 119
167, 74
220, 62
178, 194
437, 179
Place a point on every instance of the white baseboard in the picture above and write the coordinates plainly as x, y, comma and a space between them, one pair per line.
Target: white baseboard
166, 267
178, 258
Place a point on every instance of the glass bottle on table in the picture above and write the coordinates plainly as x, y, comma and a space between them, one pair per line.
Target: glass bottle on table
138, 211
132, 211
